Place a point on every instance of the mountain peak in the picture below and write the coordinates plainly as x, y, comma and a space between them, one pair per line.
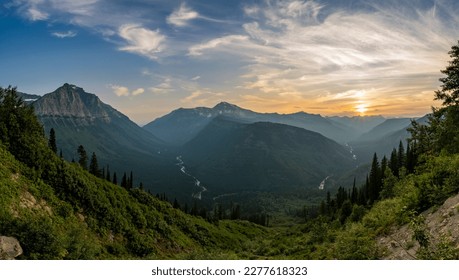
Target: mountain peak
72, 101
226, 106
72, 89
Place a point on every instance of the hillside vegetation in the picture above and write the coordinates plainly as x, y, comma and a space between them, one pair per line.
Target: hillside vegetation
57, 210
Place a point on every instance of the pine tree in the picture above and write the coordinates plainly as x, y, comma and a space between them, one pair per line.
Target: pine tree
94, 166
83, 160
108, 175
115, 180
410, 158
354, 193
131, 180
401, 156
176, 205
124, 182
393, 163
52, 140
375, 180
444, 121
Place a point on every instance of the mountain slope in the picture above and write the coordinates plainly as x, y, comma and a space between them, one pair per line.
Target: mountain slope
359, 124
180, 126
387, 127
383, 138
232, 157
81, 118
70, 214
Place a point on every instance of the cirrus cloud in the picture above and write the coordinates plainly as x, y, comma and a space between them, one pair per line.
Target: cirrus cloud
62, 35
310, 54
182, 16
142, 40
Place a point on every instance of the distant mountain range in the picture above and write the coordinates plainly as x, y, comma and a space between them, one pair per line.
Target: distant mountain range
221, 150
181, 125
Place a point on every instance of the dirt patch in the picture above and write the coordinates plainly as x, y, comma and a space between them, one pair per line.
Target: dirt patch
442, 224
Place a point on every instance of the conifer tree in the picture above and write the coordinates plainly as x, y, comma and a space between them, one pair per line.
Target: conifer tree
108, 175
83, 160
20, 131
131, 181
443, 123
401, 155
94, 165
393, 162
176, 205
124, 182
115, 180
52, 140
375, 180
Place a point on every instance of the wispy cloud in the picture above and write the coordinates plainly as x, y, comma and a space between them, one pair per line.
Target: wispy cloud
203, 96
223, 42
164, 87
43, 9
181, 16
62, 35
296, 49
34, 14
142, 40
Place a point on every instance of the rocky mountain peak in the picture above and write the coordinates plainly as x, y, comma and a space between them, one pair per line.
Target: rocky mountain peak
225, 106
72, 101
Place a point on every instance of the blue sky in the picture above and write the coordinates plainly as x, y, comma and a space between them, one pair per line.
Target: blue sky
148, 57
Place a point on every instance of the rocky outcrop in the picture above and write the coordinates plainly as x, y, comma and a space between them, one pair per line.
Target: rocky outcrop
72, 102
9, 248
441, 225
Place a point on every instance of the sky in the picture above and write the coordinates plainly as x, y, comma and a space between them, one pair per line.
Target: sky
148, 57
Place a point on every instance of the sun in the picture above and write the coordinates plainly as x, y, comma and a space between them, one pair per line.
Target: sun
361, 109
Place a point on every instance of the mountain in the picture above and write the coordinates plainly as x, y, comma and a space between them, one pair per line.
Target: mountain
229, 157
383, 138
81, 118
359, 124
387, 127
181, 125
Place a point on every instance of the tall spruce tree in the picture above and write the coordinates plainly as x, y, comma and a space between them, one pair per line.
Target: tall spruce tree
52, 140
94, 165
445, 119
375, 180
124, 182
115, 180
83, 157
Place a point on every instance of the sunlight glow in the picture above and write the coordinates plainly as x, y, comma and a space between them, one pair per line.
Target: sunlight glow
361, 108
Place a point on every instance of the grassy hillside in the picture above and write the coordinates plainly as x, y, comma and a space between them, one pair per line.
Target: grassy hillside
57, 210
84, 217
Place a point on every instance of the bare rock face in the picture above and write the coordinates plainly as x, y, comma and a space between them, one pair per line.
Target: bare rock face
9, 248
442, 225
72, 102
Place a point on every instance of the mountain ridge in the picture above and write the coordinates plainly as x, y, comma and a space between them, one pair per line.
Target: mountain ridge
181, 125
262, 156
